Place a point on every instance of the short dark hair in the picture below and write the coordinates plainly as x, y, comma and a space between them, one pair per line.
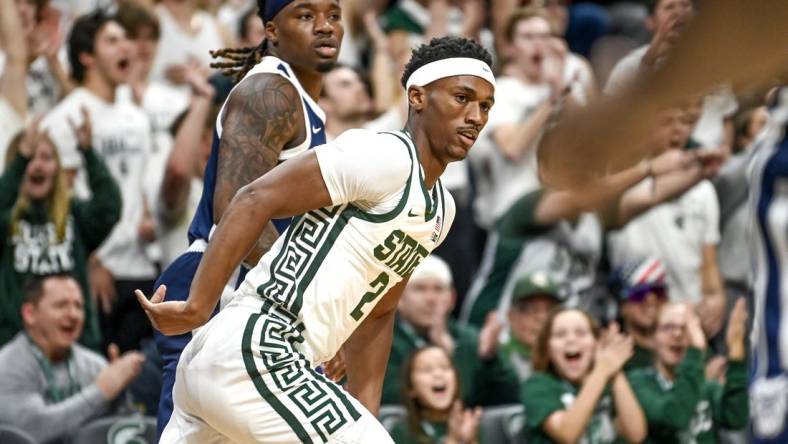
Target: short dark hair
33, 290
444, 48
83, 40
134, 18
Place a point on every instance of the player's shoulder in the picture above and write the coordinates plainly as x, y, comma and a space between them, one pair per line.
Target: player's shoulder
388, 146
269, 88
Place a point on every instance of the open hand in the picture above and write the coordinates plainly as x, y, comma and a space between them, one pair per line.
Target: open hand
463, 424
171, 317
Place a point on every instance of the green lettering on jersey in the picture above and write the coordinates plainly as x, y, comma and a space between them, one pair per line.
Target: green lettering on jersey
383, 251
400, 252
378, 285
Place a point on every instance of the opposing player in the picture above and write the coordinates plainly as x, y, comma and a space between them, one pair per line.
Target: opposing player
270, 116
370, 207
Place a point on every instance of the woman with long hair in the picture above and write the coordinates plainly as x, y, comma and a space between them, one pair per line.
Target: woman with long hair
579, 392
46, 230
431, 395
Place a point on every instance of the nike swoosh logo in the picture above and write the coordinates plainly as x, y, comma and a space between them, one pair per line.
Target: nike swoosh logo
485, 69
316, 130
410, 213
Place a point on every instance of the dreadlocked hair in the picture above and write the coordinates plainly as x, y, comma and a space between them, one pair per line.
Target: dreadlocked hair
240, 60
444, 48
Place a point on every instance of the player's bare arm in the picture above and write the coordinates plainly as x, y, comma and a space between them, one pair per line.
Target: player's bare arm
263, 116
611, 135
367, 350
291, 188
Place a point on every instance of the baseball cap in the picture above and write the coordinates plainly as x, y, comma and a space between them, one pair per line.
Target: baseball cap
635, 280
536, 284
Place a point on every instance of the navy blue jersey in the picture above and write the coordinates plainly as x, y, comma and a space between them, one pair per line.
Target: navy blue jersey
314, 122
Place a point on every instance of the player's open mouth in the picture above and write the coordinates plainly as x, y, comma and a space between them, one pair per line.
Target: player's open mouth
123, 64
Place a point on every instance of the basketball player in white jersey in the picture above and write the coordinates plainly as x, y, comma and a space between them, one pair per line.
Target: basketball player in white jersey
368, 208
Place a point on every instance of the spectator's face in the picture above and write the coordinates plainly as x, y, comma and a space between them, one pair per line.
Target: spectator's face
255, 31
642, 314
758, 120
668, 9
670, 337
41, 172
529, 45
58, 316
145, 46
346, 95
571, 345
307, 34
27, 15
528, 316
433, 380
425, 301
673, 131
112, 54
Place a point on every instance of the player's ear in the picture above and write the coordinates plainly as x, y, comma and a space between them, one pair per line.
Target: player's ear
416, 97
271, 33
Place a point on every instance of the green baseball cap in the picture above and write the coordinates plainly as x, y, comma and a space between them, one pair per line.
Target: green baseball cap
536, 284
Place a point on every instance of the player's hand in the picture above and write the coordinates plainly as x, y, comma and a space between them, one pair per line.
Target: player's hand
335, 368
171, 317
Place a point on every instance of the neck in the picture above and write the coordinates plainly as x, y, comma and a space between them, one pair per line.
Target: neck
99, 87
666, 371
431, 415
180, 11
310, 80
433, 167
49, 352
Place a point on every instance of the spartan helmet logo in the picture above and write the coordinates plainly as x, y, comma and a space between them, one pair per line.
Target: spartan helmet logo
127, 431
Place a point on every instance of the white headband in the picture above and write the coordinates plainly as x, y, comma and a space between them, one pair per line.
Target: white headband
457, 66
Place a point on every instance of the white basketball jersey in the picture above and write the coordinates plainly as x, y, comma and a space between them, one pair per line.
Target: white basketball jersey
331, 267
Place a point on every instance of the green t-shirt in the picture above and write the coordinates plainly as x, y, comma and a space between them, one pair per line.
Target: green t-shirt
544, 394
691, 409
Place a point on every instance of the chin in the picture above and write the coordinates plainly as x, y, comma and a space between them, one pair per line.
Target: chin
325, 66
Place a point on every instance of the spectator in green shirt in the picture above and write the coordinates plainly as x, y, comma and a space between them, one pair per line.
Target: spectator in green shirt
640, 286
423, 319
680, 404
578, 391
534, 296
431, 395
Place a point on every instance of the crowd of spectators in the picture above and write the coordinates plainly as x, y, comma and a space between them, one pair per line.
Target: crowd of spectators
613, 313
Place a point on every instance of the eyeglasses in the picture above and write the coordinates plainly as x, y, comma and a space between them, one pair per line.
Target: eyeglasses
671, 328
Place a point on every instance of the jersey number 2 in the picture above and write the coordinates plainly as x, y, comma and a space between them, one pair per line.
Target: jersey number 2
378, 285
